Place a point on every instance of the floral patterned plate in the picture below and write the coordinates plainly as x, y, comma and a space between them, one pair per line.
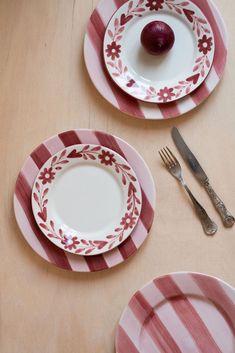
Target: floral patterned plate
86, 199
165, 78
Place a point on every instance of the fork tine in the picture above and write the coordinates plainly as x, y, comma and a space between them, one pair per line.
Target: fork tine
170, 156
174, 158
163, 158
167, 157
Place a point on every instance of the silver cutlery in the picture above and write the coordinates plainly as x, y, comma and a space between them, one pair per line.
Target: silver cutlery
173, 166
199, 173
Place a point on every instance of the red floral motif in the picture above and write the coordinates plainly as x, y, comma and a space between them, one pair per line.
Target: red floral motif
130, 83
166, 94
106, 158
47, 175
113, 50
205, 44
128, 221
155, 4
72, 243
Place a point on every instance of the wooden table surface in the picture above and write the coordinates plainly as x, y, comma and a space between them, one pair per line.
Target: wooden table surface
45, 89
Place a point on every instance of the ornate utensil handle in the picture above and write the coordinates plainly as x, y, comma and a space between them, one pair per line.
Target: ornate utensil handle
209, 226
226, 216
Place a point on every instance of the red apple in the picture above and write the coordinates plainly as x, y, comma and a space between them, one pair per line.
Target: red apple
157, 38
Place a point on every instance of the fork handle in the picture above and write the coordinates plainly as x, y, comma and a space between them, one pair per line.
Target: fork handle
226, 216
209, 226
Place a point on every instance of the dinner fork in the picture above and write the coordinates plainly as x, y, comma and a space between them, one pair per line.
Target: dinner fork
174, 167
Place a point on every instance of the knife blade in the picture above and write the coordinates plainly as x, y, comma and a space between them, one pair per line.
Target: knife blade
201, 176
188, 156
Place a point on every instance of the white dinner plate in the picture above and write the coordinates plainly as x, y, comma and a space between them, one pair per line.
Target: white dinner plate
86, 199
164, 78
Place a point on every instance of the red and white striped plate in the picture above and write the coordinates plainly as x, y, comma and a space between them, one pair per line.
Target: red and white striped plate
179, 313
93, 52
37, 240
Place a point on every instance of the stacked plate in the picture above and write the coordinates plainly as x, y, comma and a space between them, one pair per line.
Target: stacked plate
148, 86
84, 200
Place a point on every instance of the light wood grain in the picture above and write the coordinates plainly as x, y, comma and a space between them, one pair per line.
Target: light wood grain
44, 89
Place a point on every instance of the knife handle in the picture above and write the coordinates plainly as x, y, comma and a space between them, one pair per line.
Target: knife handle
226, 216
209, 226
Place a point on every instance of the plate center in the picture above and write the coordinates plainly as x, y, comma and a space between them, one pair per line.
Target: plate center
168, 67
192, 322
87, 198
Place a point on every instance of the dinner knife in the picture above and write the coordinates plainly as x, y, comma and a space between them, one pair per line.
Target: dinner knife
199, 173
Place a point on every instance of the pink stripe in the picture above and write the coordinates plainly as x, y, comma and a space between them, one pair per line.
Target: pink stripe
40, 155
153, 325
187, 314
200, 94
124, 343
215, 292
23, 194
96, 263
143, 174
109, 141
113, 257
138, 234
127, 248
77, 263
54, 145
147, 212
27, 230
69, 138
220, 22
88, 135
95, 70
119, 3
30, 171
220, 49
169, 110
96, 31
131, 325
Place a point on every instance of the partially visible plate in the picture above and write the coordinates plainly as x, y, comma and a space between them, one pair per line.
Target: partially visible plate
171, 76
179, 313
86, 199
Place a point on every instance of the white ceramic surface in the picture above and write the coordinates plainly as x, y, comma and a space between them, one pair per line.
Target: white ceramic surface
86, 199
164, 78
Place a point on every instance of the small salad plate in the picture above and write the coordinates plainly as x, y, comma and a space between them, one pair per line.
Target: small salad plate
164, 78
86, 199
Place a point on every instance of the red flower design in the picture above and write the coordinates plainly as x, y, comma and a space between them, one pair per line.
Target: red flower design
113, 50
72, 243
205, 44
155, 4
166, 94
47, 176
130, 83
106, 158
128, 221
